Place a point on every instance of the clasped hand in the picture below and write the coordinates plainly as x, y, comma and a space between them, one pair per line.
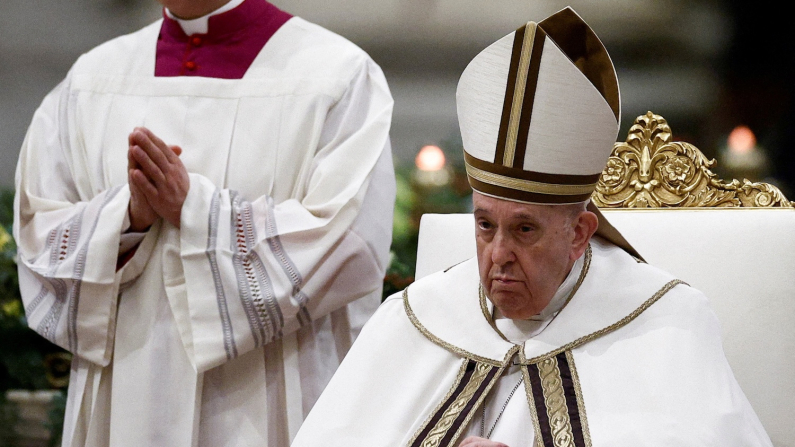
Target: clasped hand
158, 180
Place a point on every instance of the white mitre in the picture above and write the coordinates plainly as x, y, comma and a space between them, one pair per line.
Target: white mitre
539, 112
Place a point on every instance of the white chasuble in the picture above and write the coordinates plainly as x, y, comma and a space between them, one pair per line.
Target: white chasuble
633, 358
225, 331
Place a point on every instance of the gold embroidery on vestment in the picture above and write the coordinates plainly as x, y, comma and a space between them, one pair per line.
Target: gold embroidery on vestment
448, 346
448, 417
445, 422
555, 401
549, 372
461, 371
528, 390
586, 434
477, 405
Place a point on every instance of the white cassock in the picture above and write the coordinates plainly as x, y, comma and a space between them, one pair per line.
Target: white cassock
226, 331
626, 356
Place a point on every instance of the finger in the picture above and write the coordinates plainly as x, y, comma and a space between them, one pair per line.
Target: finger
135, 189
164, 148
131, 163
155, 153
147, 166
176, 165
144, 185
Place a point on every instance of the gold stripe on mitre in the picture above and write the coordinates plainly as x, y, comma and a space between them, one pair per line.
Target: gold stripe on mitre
496, 180
519, 87
528, 185
520, 93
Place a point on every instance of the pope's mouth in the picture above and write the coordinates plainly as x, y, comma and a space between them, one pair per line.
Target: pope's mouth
504, 282
504, 279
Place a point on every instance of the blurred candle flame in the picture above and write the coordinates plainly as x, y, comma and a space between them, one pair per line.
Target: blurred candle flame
430, 158
741, 140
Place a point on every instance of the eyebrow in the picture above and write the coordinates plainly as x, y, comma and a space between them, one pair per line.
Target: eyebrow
520, 216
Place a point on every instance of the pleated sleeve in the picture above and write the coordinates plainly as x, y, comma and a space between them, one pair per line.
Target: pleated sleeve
67, 227
247, 270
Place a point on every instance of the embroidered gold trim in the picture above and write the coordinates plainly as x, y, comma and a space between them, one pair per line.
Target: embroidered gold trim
528, 390
518, 95
477, 405
555, 400
617, 325
461, 371
436, 435
448, 346
489, 314
527, 185
575, 378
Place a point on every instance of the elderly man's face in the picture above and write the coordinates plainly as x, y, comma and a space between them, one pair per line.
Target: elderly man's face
526, 251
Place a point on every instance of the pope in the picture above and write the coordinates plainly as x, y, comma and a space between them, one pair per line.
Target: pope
557, 333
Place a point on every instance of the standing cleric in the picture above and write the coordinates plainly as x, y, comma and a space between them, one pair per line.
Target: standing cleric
203, 215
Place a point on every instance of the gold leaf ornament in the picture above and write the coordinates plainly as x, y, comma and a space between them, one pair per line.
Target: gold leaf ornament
650, 170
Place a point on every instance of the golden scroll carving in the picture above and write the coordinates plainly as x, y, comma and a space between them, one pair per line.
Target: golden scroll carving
651, 171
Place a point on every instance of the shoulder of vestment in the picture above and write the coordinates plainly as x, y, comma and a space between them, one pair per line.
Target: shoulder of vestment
305, 50
118, 55
614, 291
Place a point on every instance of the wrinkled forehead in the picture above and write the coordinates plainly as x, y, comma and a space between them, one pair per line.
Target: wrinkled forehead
498, 207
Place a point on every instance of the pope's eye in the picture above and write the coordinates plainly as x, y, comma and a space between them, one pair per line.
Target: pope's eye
483, 225
525, 228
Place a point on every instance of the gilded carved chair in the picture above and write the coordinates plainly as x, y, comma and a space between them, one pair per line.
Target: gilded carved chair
735, 241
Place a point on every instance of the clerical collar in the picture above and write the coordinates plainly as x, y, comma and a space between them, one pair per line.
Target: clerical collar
233, 40
518, 331
200, 25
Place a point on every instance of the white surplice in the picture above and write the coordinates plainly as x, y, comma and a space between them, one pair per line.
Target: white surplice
643, 349
223, 332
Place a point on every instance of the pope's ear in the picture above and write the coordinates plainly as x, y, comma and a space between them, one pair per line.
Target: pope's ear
585, 225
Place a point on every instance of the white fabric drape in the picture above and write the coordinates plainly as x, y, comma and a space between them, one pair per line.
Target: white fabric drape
660, 380
225, 331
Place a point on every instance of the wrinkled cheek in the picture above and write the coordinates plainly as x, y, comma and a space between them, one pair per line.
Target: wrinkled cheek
484, 267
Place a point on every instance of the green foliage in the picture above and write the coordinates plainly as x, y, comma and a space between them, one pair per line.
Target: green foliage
413, 200
10, 301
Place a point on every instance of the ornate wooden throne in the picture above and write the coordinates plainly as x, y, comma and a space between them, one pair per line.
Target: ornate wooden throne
735, 241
